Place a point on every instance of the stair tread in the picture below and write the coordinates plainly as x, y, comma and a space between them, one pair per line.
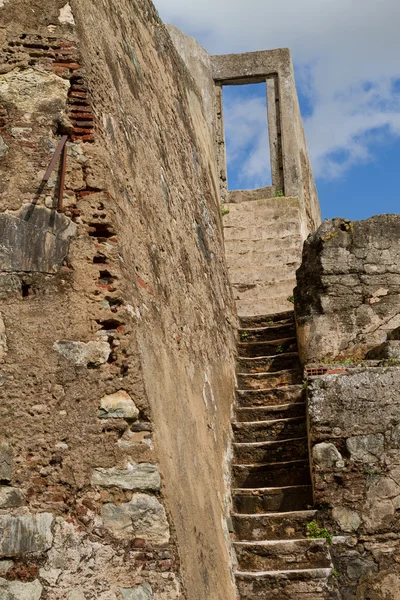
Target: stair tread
275, 489
269, 357
269, 373
276, 442
295, 542
273, 465
317, 573
252, 414
293, 387
268, 421
272, 407
277, 515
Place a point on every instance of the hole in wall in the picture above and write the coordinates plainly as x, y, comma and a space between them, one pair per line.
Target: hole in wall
109, 324
246, 136
105, 277
26, 289
114, 303
100, 259
101, 230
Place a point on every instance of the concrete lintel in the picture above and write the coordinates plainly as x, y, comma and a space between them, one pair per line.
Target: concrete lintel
234, 69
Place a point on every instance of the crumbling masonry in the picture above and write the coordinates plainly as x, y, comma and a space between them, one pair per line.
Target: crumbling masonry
169, 429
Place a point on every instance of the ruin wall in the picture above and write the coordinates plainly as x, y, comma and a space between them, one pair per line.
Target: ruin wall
117, 318
347, 308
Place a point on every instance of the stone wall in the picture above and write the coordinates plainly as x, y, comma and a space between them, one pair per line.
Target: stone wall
354, 423
116, 340
348, 293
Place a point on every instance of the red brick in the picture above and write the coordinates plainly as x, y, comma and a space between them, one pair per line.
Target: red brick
72, 66
76, 94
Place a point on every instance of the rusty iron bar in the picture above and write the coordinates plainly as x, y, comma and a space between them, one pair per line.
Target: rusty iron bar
54, 159
60, 147
62, 176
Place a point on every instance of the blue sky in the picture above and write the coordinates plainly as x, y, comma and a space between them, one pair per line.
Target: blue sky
347, 65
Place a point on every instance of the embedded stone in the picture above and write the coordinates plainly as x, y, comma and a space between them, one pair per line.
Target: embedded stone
118, 406
50, 576
31, 90
394, 334
16, 590
83, 354
6, 460
142, 476
5, 565
11, 497
388, 350
66, 17
348, 520
326, 455
3, 147
366, 448
3, 339
76, 595
35, 239
141, 592
25, 534
143, 517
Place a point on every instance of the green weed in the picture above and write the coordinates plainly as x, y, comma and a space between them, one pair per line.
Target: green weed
315, 531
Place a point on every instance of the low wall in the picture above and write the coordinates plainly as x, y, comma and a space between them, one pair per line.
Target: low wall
348, 288
354, 423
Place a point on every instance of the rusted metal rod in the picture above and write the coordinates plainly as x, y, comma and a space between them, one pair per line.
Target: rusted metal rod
53, 161
62, 177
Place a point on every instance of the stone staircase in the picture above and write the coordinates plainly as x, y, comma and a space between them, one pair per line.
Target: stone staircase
272, 493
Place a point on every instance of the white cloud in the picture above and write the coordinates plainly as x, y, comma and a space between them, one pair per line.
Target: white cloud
338, 47
247, 140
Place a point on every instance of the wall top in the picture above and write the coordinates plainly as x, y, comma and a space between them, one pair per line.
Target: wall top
251, 65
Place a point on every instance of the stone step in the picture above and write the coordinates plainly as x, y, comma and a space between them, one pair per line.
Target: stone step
270, 397
276, 301
269, 452
267, 334
253, 322
261, 273
294, 584
262, 250
271, 348
274, 555
268, 364
268, 431
272, 526
267, 381
287, 227
278, 474
257, 256
249, 501
271, 294
265, 413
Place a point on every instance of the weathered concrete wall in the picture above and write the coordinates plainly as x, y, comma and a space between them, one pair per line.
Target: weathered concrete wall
116, 340
354, 421
348, 294
266, 227
264, 231
290, 163
263, 244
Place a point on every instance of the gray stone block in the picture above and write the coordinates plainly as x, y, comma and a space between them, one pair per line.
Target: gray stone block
6, 460
143, 476
16, 590
11, 497
143, 517
25, 534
